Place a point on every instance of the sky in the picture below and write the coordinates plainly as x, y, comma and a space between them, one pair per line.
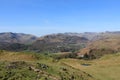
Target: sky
41, 17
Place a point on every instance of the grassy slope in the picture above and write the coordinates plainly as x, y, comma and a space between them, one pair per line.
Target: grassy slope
105, 68
15, 66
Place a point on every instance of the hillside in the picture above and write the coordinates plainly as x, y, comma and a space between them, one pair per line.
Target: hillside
32, 66
13, 46
105, 68
57, 57
21, 38
93, 36
107, 44
15, 41
59, 43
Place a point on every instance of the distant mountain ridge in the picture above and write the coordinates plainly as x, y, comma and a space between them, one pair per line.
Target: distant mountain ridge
21, 38
107, 43
15, 41
28, 38
59, 42
93, 36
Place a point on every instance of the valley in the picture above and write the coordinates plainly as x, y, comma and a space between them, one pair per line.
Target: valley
62, 56
59, 40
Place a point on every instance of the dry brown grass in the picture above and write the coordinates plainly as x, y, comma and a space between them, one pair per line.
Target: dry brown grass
14, 56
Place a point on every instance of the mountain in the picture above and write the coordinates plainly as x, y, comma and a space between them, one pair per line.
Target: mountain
108, 43
93, 36
59, 43
89, 35
88, 42
10, 37
15, 41
13, 46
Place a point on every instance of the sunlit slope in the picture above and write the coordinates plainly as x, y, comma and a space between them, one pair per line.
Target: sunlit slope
105, 68
108, 44
34, 66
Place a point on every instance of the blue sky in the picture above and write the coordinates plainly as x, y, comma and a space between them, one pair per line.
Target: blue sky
41, 17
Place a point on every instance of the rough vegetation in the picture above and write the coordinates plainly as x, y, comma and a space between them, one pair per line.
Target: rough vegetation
27, 66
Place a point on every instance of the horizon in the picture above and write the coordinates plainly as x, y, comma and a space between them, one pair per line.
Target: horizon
42, 17
58, 33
